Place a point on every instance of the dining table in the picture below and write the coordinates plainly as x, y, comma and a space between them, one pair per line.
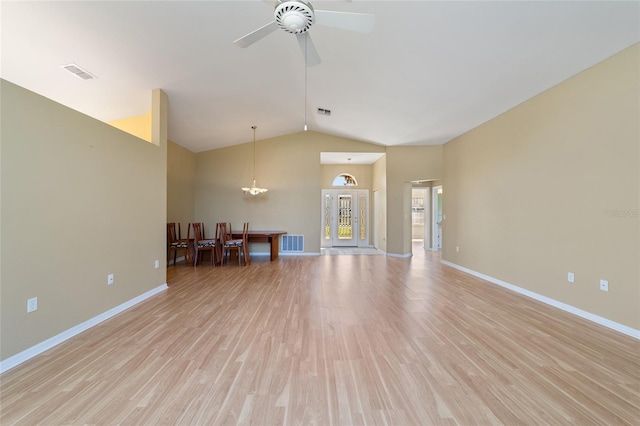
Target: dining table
270, 237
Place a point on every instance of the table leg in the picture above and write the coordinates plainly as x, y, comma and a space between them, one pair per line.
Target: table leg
275, 247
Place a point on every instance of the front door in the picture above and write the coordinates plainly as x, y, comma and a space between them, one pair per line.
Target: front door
345, 218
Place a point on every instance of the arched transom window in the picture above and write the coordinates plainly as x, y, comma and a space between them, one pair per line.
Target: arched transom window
345, 179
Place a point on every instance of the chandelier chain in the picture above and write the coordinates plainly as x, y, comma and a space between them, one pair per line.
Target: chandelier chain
254, 151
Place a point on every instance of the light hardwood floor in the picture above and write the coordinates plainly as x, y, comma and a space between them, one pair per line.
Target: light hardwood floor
332, 340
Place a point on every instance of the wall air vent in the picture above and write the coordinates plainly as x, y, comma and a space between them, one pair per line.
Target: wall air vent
323, 111
78, 72
292, 244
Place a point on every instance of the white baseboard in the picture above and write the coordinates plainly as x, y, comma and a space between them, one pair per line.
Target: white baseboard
403, 256
178, 259
27, 354
544, 299
286, 253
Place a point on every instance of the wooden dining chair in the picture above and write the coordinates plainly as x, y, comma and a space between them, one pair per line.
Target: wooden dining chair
202, 244
230, 245
176, 243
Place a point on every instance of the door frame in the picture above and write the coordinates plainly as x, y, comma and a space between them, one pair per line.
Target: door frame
434, 219
357, 193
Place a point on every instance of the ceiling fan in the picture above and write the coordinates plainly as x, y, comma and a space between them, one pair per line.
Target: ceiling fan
297, 17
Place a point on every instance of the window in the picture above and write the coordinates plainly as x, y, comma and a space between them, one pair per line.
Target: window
345, 179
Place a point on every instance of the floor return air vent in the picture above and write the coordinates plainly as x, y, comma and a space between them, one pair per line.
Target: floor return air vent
292, 244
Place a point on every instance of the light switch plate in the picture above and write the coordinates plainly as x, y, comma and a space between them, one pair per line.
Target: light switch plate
32, 304
604, 285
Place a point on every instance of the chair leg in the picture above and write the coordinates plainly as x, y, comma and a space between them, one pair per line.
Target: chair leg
247, 260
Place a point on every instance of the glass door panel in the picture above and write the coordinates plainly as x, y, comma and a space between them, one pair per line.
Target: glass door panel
327, 217
345, 217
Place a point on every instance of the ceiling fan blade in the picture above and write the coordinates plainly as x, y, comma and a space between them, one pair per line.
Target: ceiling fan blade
256, 35
308, 49
361, 22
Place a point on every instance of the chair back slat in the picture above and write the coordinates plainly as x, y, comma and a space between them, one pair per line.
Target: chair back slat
198, 231
171, 232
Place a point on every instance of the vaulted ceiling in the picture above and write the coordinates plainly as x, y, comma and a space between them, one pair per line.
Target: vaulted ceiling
428, 72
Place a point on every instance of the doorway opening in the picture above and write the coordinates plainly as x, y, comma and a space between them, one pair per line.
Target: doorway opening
420, 216
437, 217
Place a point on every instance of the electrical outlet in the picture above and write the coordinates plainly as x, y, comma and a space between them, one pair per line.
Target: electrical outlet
32, 304
110, 279
604, 285
157, 264
570, 277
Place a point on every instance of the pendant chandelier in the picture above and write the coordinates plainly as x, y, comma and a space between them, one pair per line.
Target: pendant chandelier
254, 190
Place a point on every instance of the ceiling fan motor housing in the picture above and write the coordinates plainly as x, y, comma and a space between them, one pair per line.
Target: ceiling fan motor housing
294, 16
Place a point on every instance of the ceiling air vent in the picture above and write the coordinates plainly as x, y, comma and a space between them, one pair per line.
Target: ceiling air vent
323, 111
78, 72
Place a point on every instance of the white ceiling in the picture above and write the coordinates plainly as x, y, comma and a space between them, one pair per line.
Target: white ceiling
429, 72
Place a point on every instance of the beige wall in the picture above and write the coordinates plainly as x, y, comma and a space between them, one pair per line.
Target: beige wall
379, 211
404, 165
289, 166
363, 174
181, 176
551, 187
139, 126
80, 200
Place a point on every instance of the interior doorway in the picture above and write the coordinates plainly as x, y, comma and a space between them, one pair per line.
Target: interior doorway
436, 217
420, 216
345, 218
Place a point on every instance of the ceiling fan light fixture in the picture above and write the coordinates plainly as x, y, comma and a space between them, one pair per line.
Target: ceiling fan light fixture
294, 16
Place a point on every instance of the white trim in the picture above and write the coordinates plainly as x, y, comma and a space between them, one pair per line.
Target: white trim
544, 299
404, 256
283, 254
41, 347
178, 259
